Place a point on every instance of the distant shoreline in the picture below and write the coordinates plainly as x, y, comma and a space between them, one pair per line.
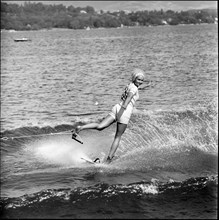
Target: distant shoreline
69, 29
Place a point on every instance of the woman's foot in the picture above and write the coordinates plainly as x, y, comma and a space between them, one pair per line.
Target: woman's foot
108, 160
76, 130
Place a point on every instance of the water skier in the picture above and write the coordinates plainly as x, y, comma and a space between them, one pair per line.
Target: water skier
120, 113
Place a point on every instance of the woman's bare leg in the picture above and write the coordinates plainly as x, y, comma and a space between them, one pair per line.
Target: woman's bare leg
119, 132
98, 126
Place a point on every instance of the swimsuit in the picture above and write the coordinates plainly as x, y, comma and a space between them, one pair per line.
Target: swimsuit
126, 115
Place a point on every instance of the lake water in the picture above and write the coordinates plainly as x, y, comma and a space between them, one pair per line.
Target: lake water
166, 165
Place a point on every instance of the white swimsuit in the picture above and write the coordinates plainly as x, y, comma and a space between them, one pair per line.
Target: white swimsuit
125, 117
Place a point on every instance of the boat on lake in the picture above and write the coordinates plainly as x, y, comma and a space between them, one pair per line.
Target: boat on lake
22, 39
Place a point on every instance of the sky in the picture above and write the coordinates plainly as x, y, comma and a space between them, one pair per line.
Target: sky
132, 5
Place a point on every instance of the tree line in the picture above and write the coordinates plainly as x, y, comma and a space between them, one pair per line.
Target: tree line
35, 16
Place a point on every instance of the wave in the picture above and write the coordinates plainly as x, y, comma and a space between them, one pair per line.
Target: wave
105, 191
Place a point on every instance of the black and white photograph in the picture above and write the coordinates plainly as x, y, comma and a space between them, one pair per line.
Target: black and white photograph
109, 110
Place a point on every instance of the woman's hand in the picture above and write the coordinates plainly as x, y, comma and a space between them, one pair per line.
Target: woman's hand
120, 112
125, 104
147, 84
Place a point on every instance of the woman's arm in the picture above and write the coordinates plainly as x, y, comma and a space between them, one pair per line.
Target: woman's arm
125, 104
127, 100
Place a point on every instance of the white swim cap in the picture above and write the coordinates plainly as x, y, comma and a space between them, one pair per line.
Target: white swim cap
136, 73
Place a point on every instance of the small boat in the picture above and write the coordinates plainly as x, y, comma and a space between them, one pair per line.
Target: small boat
22, 39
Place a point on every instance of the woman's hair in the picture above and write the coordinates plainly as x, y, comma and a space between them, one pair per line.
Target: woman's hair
136, 73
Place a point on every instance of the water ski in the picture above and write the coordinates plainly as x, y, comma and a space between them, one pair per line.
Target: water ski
96, 161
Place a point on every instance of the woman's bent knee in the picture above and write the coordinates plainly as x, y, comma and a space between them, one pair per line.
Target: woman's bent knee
100, 127
105, 123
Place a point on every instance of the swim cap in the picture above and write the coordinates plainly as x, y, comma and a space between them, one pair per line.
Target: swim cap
136, 73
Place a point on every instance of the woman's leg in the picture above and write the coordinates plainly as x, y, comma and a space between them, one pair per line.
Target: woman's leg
119, 132
98, 126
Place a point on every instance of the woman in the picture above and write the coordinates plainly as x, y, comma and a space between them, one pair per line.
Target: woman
120, 112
